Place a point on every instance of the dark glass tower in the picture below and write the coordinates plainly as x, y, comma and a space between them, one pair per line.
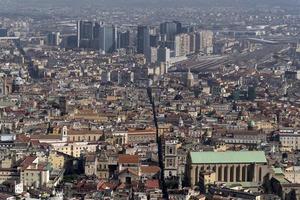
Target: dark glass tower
84, 34
143, 40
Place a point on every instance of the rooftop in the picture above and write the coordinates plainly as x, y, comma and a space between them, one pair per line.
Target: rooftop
150, 169
123, 158
152, 184
228, 157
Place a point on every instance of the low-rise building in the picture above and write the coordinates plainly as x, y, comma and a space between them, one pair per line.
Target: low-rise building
33, 173
289, 138
75, 149
56, 161
243, 166
292, 174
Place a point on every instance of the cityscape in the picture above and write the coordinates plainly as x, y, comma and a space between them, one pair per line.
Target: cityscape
149, 100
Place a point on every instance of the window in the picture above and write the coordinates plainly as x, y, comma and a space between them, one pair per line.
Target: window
169, 162
128, 180
170, 150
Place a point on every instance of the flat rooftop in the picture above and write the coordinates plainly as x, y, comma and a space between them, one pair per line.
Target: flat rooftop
228, 157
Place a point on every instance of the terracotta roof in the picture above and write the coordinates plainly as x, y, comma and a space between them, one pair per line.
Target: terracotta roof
152, 184
129, 171
124, 158
35, 142
46, 137
149, 169
122, 186
27, 161
40, 167
102, 185
22, 138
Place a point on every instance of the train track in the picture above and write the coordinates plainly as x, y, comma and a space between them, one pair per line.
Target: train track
258, 56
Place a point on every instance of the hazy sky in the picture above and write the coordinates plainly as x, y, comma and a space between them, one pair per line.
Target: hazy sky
75, 7
104, 3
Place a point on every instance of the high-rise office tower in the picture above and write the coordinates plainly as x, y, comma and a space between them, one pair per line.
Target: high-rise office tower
187, 29
53, 39
143, 41
154, 40
163, 55
192, 42
197, 41
108, 38
178, 26
96, 36
123, 39
182, 44
69, 41
204, 42
85, 34
170, 29
96, 30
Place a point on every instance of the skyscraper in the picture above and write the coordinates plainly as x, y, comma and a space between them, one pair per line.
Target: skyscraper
178, 26
170, 29
96, 30
154, 40
108, 38
96, 36
163, 55
143, 41
123, 39
182, 44
78, 27
84, 34
192, 42
204, 42
53, 39
69, 41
